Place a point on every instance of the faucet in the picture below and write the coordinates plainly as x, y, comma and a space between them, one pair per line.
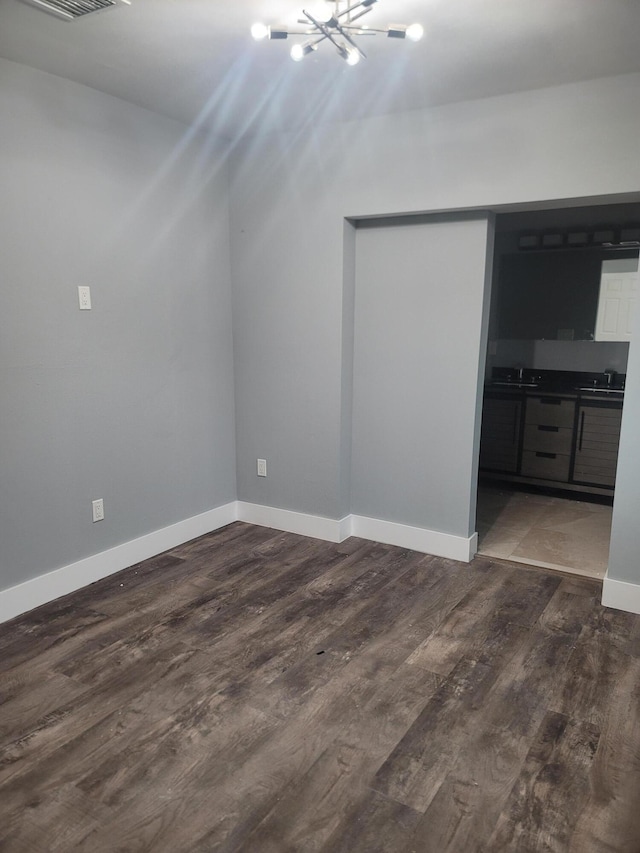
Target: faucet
520, 373
610, 374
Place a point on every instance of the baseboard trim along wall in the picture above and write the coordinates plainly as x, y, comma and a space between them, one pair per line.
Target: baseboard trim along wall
621, 595
390, 532
460, 548
40, 590
316, 526
44, 588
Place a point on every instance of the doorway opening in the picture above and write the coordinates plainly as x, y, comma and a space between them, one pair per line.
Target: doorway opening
545, 488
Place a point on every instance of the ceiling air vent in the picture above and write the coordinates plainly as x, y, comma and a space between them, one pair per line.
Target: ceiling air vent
68, 10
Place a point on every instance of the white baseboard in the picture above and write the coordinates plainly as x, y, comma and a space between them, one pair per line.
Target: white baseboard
32, 593
621, 595
337, 530
316, 526
415, 538
40, 590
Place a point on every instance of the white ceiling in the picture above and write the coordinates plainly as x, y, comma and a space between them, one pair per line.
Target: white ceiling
195, 60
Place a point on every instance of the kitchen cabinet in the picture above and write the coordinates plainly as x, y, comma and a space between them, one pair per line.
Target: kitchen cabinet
597, 439
548, 438
554, 438
500, 433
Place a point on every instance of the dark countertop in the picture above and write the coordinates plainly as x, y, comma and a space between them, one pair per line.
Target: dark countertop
557, 383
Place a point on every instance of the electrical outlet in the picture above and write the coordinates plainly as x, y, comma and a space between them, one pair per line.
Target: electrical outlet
98, 509
84, 298
262, 467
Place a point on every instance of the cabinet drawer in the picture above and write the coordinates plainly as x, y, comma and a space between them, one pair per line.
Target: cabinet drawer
550, 466
551, 439
550, 411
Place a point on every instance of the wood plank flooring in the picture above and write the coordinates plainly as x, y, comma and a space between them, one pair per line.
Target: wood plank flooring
258, 691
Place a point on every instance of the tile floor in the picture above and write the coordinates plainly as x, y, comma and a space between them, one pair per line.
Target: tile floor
543, 530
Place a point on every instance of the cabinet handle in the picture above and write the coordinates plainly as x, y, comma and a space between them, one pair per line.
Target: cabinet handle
545, 455
544, 428
581, 430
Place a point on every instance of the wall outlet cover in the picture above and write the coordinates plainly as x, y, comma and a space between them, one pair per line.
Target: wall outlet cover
97, 509
84, 298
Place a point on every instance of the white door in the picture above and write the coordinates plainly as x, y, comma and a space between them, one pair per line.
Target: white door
617, 302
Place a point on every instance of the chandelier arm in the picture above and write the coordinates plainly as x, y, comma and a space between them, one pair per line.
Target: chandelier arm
317, 41
359, 15
346, 35
322, 28
352, 8
319, 25
359, 31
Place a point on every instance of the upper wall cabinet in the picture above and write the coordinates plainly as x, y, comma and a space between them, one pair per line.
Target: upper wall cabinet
554, 295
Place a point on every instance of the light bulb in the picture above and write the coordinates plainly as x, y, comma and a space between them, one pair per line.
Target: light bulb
353, 57
322, 11
415, 32
259, 31
297, 52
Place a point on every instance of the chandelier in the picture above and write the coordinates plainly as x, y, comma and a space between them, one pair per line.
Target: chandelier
335, 21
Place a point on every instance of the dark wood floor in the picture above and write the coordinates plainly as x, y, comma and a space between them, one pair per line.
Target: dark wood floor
259, 691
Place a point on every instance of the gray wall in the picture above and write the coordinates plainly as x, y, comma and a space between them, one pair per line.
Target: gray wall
293, 403
624, 553
420, 289
346, 391
133, 401
289, 199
